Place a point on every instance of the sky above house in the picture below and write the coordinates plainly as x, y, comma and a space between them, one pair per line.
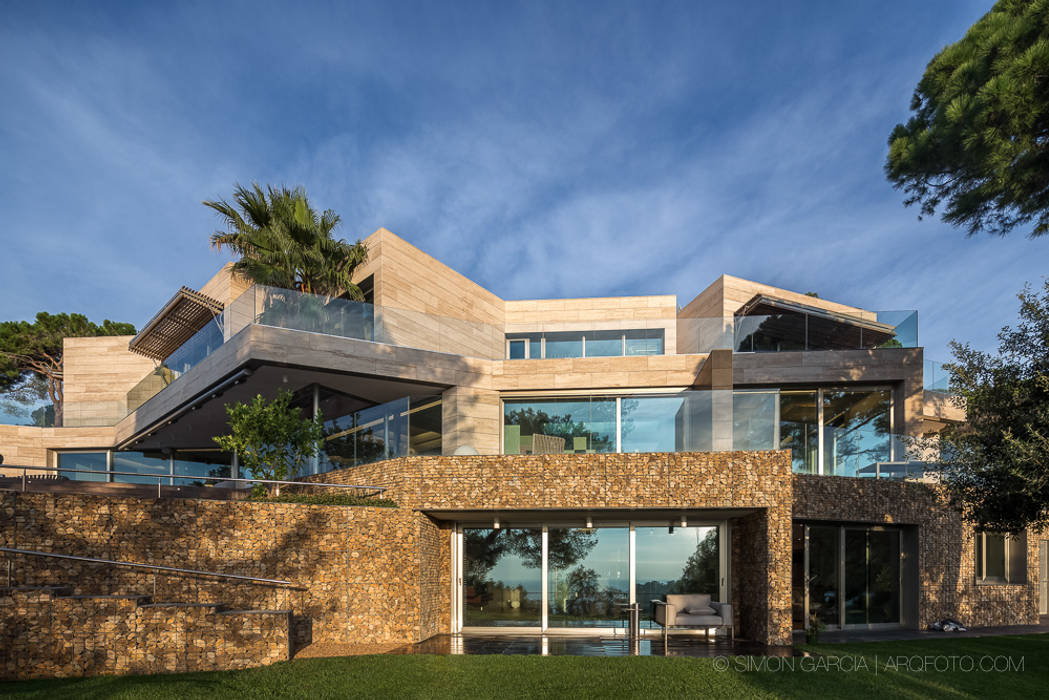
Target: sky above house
543, 150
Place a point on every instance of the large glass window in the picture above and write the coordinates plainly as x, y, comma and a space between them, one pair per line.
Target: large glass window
88, 461
861, 563
872, 576
855, 424
198, 463
604, 343
148, 464
589, 574
823, 574
856, 431
883, 576
398, 428
648, 341
676, 560
754, 420
564, 344
502, 577
555, 426
799, 430
608, 343
652, 423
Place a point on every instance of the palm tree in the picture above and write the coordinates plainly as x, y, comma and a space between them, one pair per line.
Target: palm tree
283, 242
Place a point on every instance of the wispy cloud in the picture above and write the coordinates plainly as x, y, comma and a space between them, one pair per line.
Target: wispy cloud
543, 150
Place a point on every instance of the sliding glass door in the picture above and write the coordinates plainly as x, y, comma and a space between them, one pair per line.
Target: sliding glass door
588, 576
849, 576
502, 577
561, 577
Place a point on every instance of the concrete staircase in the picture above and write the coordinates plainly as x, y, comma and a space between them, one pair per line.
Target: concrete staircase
47, 631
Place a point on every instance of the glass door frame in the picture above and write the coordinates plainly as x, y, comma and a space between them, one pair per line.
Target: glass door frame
458, 551
840, 574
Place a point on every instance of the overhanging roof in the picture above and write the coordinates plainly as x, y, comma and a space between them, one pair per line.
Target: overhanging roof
184, 314
825, 329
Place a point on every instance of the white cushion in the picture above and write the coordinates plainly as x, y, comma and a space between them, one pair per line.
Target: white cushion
705, 610
698, 620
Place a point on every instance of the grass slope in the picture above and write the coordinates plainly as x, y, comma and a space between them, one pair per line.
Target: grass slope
582, 677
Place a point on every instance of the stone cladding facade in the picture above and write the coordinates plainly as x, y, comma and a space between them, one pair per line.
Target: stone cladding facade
383, 575
946, 548
369, 574
50, 634
758, 484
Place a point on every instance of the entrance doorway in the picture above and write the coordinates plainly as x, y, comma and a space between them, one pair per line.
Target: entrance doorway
847, 576
559, 578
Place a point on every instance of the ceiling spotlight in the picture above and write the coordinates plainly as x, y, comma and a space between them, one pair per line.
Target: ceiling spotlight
589, 522
495, 524
684, 521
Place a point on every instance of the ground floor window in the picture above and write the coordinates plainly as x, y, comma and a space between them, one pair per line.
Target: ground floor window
846, 575
589, 574
502, 579
171, 467
1000, 558
567, 577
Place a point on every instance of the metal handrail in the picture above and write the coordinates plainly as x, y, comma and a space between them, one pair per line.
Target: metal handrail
160, 477
154, 567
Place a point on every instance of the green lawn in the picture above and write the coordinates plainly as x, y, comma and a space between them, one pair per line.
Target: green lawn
581, 677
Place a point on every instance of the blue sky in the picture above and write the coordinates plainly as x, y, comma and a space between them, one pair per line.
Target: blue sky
562, 149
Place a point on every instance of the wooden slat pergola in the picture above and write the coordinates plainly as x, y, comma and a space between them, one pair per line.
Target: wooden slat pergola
184, 314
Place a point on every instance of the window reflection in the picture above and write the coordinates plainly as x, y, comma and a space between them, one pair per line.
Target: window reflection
145, 463
198, 463
502, 581
754, 420
87, 461
589, 574
799, 429
856, 433
555, 426
676, 560
608, 343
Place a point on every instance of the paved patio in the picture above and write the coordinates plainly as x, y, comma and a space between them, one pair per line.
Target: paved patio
895, 635
578, 645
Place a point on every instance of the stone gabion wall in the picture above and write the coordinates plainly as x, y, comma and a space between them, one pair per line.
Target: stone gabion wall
46, 637
363, 568
946, 548
756, 481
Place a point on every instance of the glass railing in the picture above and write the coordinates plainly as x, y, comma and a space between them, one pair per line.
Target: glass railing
798, 331
711, 421
286, 308
936, 378
689, 421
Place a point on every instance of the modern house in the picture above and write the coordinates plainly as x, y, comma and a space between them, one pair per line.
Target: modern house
551, 459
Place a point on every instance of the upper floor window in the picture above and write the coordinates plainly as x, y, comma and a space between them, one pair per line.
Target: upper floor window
613, 343
1001, 558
